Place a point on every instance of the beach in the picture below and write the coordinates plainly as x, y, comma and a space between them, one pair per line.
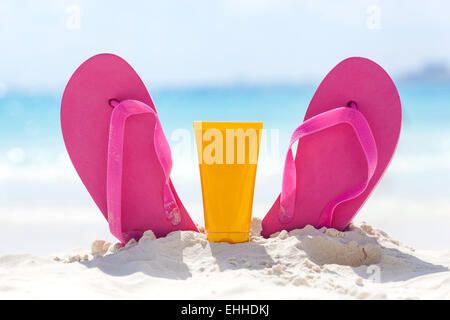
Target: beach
275, 63
46, 212
363, 263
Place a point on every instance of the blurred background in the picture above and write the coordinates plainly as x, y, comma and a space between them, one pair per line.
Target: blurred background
235, 60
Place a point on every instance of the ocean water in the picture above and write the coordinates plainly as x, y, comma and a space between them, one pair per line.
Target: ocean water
42, 199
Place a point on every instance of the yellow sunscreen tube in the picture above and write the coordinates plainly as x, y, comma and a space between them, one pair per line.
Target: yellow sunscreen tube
228, 155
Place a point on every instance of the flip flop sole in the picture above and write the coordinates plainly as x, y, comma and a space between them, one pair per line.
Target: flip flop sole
85, 122
331, 162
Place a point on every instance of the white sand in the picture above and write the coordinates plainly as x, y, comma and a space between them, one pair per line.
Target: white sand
362, 263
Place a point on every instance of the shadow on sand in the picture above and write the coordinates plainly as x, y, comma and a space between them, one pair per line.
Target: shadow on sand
232, 256
398, 266
163, 260
158, 260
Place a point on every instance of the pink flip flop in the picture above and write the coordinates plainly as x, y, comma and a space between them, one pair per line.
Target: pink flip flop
345, 144
116, 143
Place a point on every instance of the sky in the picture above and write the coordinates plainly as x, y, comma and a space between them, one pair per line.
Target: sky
201, 42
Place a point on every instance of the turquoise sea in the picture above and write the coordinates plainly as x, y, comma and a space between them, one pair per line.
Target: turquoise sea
31, 120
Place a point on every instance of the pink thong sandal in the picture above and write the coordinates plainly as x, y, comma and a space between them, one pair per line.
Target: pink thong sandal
116, 143
345, 144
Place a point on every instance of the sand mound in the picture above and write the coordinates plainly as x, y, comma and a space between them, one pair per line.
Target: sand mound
353, 248
360, 263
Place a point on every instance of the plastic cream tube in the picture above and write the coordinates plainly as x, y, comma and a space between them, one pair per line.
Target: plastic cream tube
228, 155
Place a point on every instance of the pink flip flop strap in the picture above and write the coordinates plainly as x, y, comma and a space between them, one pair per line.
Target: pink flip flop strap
349, 115
121, 112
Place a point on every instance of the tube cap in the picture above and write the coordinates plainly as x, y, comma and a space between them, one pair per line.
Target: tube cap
230, 237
